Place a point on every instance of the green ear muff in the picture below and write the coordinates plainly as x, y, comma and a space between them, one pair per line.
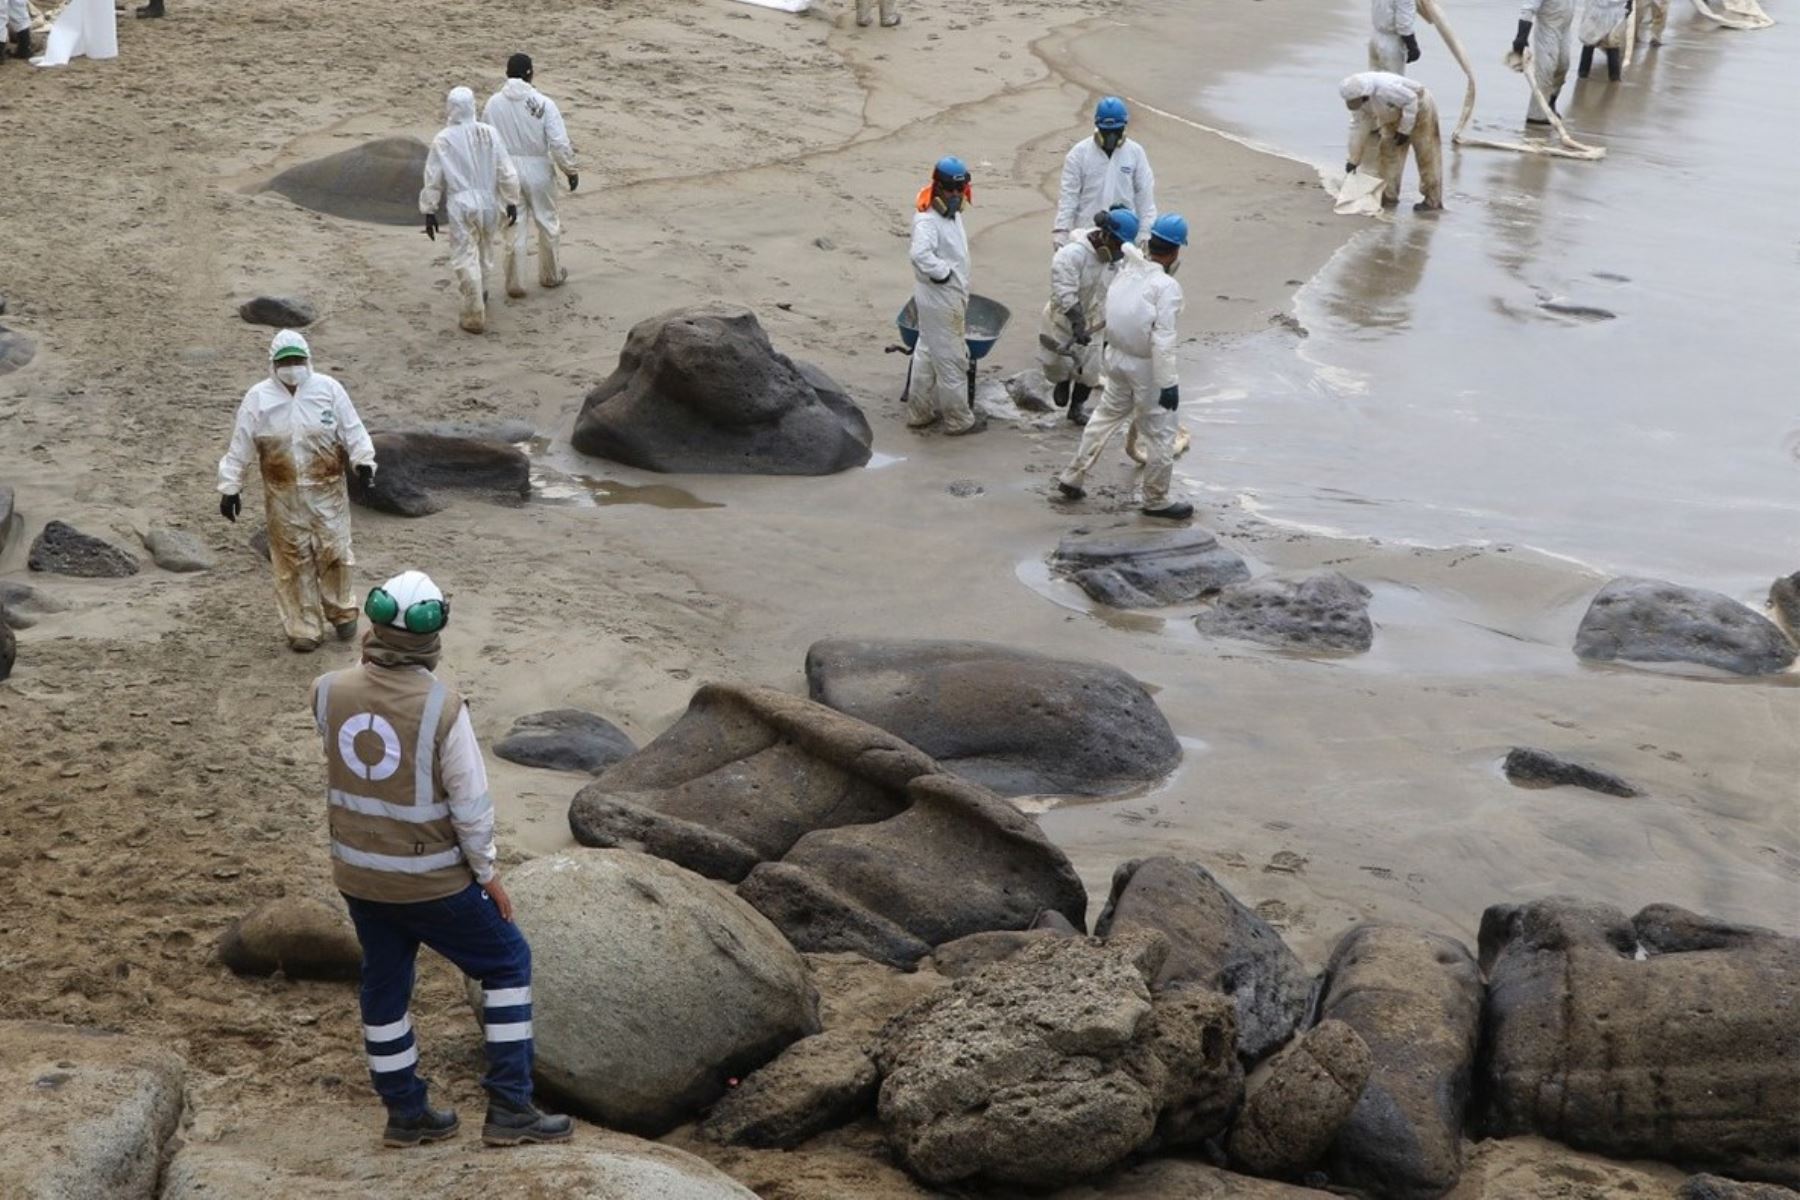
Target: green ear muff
426, 616
380, 607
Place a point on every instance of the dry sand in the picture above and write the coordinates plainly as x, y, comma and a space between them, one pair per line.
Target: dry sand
162, 775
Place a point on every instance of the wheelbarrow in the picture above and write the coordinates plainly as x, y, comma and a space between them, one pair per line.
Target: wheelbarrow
982, 327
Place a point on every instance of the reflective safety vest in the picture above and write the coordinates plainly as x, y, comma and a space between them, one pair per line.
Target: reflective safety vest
392, 839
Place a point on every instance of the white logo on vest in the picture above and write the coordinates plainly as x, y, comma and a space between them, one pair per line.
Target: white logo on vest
390, 746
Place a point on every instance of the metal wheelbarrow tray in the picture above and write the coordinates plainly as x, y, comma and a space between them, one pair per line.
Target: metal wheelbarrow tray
986, 320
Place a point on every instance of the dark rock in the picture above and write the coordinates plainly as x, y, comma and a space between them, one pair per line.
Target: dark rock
1669, 1036
9, 646
1715, 1187
280, 312
409, 465
1055, 1065
1295, 1103
651, 986
1415, 1000
16, 350
64, 550
565, 739
21, 604
178, 551
1215, 943
1648, 620
818, 1083
377, 182
1147, 568
818, 919
1321, 612
701, 390
967, 955
1784, 598
1017, 722
1528, 767
303, 939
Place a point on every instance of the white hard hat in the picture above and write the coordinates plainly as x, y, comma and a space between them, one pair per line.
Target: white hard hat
409, 601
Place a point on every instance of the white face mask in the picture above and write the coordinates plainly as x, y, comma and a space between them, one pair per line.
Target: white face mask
295, 375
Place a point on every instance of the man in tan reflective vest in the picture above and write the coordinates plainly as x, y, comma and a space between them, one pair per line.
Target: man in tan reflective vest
412, 848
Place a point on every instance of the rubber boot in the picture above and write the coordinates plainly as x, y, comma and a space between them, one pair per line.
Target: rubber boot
1179, 510
152, 9
509, 1126
431, 1125
1059, 395
21, 43
1587, 62
1615, 63
346, 631
1077, 398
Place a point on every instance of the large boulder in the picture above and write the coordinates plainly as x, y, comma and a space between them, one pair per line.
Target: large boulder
377, 182
64, 550
701, 390
1295, 1103
301, 938
1054, 1066
1215, 943
1328, 611
1012, 720
1666, 1035
279, 312
565, 739
816, 1084
651, 986
1531, 768
87, 1114
411, 466
1147, 568
1649, 620
1415, 1000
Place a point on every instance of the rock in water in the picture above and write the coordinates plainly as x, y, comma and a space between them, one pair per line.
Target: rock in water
1054, 1066
178, 551
1214, 942
1012, 720
376, 181
1668, 1035
1295, 1103
64, 550
1648, 620
565, 739
1321, 612
279, 312
701, 390
1415, 1000
303, 939
410, 465
1147, 568
87, 1113
1714, 1187
16, 350
1532, 768
816, 1084
651, 986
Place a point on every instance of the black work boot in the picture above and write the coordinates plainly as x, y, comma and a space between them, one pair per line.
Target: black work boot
1179, 510
1059, 395
152, 9
509, 1126
21, 43
1615, 63
1587, 61
431, 1125
1077, 398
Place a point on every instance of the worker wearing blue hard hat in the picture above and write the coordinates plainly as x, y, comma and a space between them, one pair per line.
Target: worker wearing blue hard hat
1069, 333
938, 386
1102, 172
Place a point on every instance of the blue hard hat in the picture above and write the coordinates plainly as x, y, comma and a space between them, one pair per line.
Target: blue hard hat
1111, 113
950, 169
1170, 228
1122, 223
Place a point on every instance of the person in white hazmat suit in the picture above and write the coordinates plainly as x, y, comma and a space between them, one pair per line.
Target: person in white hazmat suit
938, 387
1389, 114
470, 175
1392, 40
1102, 172
1142, 375
1603, 24
1544, 26
299, 427
538, 142
1069, 333
1652, 16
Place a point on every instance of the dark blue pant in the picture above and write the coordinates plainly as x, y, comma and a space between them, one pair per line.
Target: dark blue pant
468, 930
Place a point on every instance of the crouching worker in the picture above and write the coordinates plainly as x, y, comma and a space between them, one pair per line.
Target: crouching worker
1392, 114
1069, 333
412, 848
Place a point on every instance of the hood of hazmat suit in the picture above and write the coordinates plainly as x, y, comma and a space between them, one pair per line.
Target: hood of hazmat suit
1142, 307
468, 170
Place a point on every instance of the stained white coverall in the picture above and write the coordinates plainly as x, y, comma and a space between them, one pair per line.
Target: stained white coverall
18, 15
1079, 276
1093, 181
940, 371
1396, 104
1550, 23
537, 141
1391, 20
1602, 24
890, 12
1142, 307
1652, 15
471, 175
300, 441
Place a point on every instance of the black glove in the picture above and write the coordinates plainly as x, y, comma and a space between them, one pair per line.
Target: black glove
1521, 37
944, 278
1170, 397
574, 181
1078, 325
1349, 168
1400, 139
1412, 48
365, 474
512, 215
431, 226
230, 507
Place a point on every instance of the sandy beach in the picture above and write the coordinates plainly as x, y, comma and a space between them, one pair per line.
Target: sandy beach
163, 775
